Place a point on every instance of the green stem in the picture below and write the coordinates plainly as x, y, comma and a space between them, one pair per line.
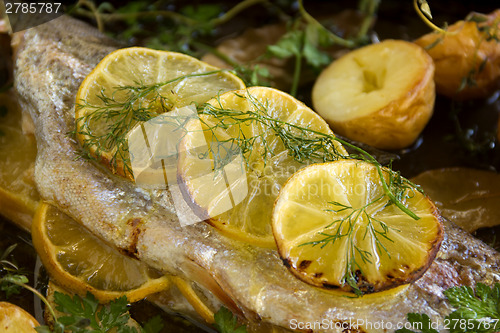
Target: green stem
34, 291
386, 188
334, 38
370, 10
235, 11
95, 13
426, 20
391, 196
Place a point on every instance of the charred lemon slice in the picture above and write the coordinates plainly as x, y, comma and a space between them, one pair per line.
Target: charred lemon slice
133, 85
235, 158
336, 228
80, 262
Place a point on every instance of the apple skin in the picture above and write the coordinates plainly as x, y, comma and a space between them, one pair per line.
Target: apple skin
399, 121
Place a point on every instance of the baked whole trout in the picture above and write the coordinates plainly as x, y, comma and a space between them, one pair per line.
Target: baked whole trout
51, 61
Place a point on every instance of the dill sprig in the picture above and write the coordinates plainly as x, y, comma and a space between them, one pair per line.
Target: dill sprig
304, 144
376, 228
119, 112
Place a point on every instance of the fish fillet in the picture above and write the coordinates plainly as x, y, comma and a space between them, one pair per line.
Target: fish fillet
51, 61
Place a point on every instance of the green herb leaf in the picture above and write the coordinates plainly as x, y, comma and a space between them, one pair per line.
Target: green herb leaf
316, 37
475, 307
419, 320
132, 7
476, 311
424, 7
86, 315
314, 56
202, 12
43, 329
153, 325
289, 45
11, 284
226, 322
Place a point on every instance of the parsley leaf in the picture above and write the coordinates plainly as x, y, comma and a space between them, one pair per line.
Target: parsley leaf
11, 284
226, 322
202, 12
86, 315
479, 308
153, 325
476, 311
288, 45
300, 43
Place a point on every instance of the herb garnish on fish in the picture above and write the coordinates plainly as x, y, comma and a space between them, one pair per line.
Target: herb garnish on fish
475, 311
303, 144
354, 214
123, 115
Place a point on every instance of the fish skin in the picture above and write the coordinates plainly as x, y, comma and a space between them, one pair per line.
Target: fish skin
51, 61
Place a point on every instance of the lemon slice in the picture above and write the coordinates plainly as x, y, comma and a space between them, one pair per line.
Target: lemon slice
194, 299
335, 228
232, 174
80, 262
18, 195
133, 85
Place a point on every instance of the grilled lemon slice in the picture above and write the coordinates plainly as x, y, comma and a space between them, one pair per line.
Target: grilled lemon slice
80, 262
336, 228
232, 173
133, 85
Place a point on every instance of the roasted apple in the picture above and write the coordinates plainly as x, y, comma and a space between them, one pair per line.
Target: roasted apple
381, 94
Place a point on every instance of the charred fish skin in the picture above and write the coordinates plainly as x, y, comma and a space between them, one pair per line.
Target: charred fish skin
50, 63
